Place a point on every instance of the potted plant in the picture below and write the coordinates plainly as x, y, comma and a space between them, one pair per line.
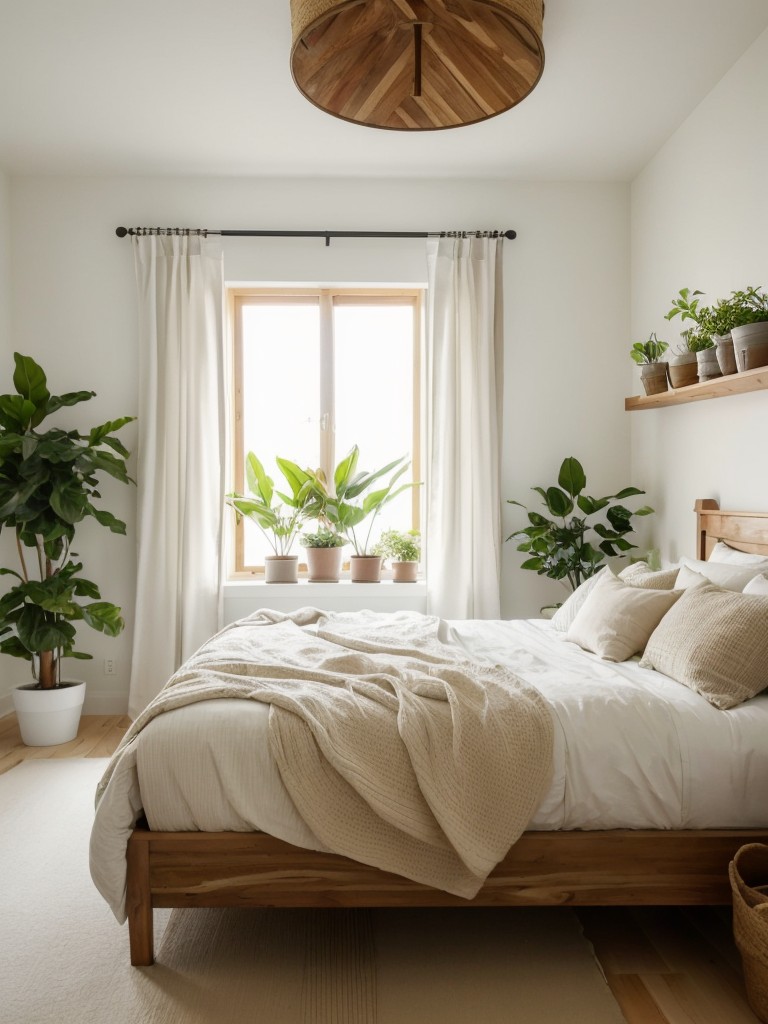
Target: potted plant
351, 502
698, 340
49, 478
403, 548
746, 313
568, 547
653, 371
323, 553
279, 521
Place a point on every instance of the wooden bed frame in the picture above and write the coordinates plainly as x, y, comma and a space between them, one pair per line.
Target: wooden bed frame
618, 867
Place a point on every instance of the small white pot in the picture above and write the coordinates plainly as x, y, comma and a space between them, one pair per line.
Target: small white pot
281, 568
709, 368
47, 717
750, 343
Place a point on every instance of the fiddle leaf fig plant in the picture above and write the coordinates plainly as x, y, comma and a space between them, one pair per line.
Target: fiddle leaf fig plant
571, 544
49, 479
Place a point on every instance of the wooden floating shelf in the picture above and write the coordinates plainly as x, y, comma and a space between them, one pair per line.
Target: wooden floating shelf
733, 384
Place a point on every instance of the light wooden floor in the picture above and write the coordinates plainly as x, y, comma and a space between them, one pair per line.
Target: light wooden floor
664, 965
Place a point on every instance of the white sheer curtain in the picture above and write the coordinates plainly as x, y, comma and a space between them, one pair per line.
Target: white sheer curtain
181, 454
464, 396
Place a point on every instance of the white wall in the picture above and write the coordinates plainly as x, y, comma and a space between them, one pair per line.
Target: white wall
5, 263
566, 295
700, 219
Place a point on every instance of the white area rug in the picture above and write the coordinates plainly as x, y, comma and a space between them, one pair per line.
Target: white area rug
64, 959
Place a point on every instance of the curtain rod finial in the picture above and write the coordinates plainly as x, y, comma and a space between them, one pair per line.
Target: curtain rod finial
121, 232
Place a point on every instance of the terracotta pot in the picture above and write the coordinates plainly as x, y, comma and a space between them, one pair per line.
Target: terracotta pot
726, 358
750, 344
683, 370
404, 572
709, 368
281, 568
654, 377
365, 568
324, 564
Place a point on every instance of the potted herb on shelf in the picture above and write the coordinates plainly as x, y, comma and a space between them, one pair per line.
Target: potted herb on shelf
747, 314
568, 547
323, 550
48, 481
699, 347
403, 548
350, 507
653, 372
279, 520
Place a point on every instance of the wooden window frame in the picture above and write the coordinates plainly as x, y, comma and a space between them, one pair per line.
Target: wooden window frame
326, 298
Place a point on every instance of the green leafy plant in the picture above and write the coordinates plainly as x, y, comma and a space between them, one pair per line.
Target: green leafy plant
350, 502
402, 546
740, 308
279, 521
48, 481
688, 307
649, 351
322, 538
568, 547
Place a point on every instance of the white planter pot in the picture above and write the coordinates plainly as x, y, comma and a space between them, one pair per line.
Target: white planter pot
726, 358
709, 368
683, 369
47, 717
281, 568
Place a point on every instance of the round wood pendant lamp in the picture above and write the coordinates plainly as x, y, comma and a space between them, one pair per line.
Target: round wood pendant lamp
416, 65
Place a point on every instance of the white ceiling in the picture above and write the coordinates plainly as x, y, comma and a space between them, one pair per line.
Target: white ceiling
203, 87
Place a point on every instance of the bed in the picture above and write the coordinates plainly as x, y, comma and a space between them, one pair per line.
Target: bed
568, 855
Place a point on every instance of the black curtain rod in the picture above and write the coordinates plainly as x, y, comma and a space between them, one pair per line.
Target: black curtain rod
327, 235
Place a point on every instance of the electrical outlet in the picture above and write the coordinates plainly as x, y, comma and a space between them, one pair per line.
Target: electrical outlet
109, 666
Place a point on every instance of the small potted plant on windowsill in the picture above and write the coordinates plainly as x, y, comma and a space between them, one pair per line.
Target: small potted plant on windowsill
48, 481
279, 521
403, 549
323, 550
351, 503
653, 372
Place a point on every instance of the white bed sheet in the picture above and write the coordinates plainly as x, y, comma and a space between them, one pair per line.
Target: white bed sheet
633, 749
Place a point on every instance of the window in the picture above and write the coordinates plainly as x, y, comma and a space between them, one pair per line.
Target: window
316, 372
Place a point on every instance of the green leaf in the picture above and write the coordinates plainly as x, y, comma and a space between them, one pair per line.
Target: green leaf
345, 471
29, 380
104, 617
572, 478
558, 502
69, 501
106, 519
646, 510
99, 434
13, 646
71, 398
628, 492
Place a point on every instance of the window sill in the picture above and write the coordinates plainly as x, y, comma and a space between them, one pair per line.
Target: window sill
241, 597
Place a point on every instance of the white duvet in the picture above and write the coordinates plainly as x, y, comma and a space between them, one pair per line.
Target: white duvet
632, 749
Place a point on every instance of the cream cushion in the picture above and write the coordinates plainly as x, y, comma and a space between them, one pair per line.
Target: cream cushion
724, 574
640, 574
714, 641
723, 552
757, 585
566, 613
617, 618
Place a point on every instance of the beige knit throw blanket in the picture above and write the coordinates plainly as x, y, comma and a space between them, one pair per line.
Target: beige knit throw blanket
396, 750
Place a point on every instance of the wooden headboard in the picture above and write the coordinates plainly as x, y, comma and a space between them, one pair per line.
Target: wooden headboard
745, 531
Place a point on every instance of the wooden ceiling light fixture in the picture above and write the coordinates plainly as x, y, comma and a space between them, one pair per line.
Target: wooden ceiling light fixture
416, 65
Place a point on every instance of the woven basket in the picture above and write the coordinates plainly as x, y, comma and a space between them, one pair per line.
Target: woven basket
748, 872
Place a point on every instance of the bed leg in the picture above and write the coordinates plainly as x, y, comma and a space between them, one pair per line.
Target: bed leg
139, 904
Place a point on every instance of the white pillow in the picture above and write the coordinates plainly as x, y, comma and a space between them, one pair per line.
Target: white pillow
617, 619
567, 612
724, 574
723, 552
758, 585
640, 574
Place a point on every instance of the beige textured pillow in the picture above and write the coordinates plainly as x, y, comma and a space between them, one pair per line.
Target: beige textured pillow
724, 574
617, 618
640, 574
716, 642
566, 613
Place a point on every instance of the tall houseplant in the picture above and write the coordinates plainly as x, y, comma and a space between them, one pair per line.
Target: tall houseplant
573, 544
49, 479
